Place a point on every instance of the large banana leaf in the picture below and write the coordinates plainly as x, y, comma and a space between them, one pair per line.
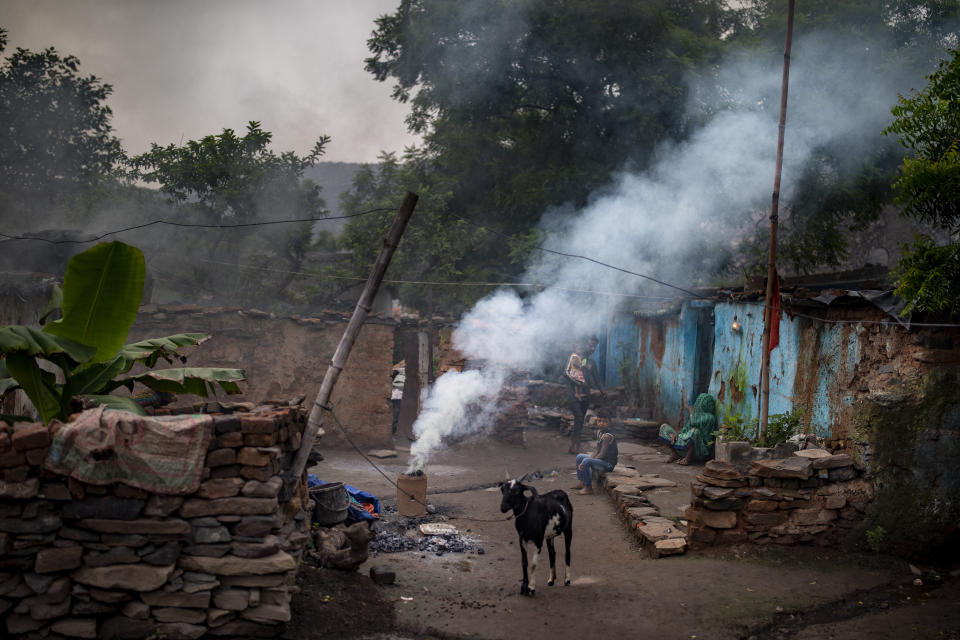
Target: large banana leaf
102, 290
149, 351
39, 385
33, 342
94, 378
193, 380
117, 402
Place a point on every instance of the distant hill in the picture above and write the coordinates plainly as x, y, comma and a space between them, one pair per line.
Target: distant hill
335, 178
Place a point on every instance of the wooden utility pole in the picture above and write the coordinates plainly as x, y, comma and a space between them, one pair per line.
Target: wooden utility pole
349, 337
774, 219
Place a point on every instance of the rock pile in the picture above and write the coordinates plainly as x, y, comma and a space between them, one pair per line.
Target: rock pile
809, 497
550, 419
85, 561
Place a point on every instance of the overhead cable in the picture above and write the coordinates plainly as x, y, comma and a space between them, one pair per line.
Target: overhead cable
172, 223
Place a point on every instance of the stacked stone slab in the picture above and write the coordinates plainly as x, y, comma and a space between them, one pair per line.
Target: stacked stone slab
625, 485
806, 498
85, 561
512, 416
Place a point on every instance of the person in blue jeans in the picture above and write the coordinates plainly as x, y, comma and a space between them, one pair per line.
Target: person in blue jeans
604, 459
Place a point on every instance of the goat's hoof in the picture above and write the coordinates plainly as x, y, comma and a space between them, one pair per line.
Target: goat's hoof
549, 583
566, 582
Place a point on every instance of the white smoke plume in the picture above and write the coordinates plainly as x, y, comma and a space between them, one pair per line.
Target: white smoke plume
672, 222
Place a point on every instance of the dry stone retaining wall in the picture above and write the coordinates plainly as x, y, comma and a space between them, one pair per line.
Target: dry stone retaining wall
85, 561
794, 500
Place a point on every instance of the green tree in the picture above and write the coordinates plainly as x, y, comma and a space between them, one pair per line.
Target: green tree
230, 179
57, 138
433, 245
846, 183
532, 104
927, 123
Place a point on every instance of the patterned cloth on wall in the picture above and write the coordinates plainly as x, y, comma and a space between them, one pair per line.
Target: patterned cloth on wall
162, 454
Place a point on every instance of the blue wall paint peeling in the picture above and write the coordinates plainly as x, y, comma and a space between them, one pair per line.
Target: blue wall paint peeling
811, 368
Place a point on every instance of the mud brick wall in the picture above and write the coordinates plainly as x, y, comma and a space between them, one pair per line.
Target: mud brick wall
286, 357
794, 500
85, 561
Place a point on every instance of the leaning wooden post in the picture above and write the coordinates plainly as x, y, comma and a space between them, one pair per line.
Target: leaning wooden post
774, 219
349, 337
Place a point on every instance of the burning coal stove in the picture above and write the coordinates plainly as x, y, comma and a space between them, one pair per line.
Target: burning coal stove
412, 494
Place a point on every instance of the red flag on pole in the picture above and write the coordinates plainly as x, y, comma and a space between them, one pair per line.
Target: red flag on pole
775, 313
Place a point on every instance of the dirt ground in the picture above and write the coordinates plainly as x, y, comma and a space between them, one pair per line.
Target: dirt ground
617, 590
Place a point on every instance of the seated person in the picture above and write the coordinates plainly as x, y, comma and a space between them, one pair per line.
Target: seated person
694, 440
604, 459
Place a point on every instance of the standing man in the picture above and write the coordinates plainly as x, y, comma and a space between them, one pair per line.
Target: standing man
580, 373
396, 391
604, 459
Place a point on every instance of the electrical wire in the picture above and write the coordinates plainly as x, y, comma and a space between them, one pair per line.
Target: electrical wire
193, 225
316, 276
239, 225
540, 247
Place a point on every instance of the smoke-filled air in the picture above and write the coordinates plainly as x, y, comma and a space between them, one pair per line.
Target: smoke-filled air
673, 222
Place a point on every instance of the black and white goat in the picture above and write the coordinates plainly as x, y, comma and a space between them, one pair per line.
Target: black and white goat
538, 518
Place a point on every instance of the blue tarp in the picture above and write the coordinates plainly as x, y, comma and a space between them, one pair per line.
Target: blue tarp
355, 512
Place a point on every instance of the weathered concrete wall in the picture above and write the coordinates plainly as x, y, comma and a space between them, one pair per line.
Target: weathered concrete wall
887, 395
79, 560
662, 351
909, 438
287, 357
823, 367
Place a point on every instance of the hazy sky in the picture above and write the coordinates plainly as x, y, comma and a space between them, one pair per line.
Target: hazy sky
188, 68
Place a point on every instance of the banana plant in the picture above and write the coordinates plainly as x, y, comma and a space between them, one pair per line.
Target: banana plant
102, 291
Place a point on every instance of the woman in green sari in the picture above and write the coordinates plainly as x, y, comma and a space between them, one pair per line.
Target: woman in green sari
695, 439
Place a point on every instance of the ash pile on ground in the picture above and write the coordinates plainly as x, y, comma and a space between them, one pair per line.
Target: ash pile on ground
395, 534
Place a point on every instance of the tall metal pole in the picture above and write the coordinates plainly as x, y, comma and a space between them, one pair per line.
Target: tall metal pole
350, 336
774, 219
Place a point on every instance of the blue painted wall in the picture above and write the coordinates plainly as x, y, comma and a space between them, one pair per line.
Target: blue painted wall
811, 368
662, 350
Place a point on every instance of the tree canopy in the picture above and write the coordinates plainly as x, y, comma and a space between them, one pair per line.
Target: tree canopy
532, 103
525, 106
57, 137
228, 179
927, 123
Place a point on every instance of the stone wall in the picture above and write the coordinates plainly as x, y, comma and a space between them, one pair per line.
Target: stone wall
85, 561
908, 437
287, 357
799, 499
